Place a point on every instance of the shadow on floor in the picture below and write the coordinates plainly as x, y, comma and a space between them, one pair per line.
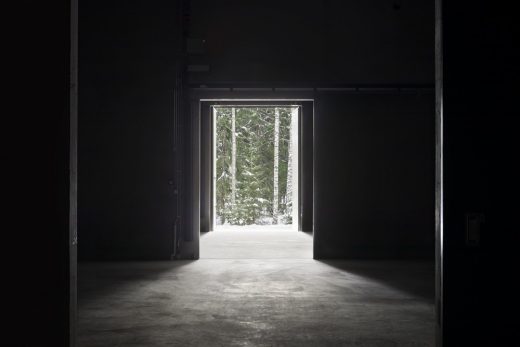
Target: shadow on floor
99, 279
416, 278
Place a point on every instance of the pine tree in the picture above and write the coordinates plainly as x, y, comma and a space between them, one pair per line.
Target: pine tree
254, 164
223, 141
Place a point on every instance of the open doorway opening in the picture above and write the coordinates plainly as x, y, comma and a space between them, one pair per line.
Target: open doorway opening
255, 168
256, 176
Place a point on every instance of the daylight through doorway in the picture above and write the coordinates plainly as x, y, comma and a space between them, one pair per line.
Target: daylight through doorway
255, 167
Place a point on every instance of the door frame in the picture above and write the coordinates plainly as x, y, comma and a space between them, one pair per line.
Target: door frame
202, 99
207, 184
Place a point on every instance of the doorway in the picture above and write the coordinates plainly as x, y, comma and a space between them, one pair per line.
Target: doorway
256, 179
255, 168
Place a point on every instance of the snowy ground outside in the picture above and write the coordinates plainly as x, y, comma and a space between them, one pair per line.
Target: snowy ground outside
245, 228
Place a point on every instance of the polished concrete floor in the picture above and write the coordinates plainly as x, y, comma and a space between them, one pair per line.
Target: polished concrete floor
256, 302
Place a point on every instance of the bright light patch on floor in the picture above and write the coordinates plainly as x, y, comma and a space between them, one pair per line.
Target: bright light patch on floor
256, 242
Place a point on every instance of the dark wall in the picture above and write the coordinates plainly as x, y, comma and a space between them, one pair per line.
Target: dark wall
335, 41
374, 151
374, 176
36, 216
128, 57
128, 52
478, 82
306, 163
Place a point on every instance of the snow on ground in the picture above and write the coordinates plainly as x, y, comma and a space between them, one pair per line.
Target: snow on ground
269, 227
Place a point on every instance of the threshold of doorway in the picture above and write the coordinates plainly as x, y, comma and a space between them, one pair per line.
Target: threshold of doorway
256, 244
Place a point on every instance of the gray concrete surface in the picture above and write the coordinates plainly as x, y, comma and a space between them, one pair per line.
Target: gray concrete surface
259, 301
260, 242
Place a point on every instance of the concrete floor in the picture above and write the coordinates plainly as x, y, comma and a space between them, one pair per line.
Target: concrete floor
255, 243
256, 302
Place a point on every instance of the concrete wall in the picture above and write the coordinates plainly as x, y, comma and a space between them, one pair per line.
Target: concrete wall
374, 152
374, 176
127, 62
333, 41
127, 67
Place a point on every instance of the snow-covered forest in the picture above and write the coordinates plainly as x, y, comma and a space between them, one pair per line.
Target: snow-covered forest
254, 165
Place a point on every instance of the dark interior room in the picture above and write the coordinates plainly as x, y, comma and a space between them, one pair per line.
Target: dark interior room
264, 173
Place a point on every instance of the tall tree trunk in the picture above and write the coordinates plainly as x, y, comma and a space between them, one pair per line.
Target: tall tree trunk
288, 191
291, 170
233, 159
295, 112
276, 159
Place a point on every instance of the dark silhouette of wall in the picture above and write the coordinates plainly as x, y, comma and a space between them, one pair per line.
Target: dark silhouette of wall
479, 77
36, 190
331, 41
128, 52
374, 176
